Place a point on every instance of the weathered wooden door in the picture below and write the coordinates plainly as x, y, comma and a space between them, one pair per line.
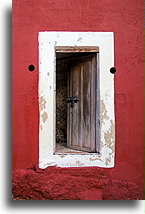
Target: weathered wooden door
81, 113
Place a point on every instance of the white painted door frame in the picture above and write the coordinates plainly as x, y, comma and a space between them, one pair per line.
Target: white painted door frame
48, 43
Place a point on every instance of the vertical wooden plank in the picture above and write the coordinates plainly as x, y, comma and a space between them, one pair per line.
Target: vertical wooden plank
81, 107
86, 104
75, 109
93, 102
69, 110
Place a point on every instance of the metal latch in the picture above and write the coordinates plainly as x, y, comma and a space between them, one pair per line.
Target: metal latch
72, 100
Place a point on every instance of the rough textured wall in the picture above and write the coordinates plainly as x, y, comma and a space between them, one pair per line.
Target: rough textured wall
82, 184
61, 101
125, 19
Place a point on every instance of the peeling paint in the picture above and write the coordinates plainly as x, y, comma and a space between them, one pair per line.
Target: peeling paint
42, 103
107, 161
106, 120
94, 159
44, 116
107, 132
103, 110
79, 39
109, 137
62, 156
79, 163
106, 102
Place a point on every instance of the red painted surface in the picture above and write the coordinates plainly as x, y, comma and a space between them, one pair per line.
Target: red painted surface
71, 184
125, 19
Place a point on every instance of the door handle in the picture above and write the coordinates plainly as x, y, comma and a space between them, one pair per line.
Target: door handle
72, 100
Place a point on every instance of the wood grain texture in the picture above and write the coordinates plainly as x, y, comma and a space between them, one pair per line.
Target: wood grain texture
82, 117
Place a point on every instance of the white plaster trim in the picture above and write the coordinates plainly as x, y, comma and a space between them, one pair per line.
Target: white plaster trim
47, 89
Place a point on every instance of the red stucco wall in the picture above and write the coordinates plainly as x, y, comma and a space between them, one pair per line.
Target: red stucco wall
125, 19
